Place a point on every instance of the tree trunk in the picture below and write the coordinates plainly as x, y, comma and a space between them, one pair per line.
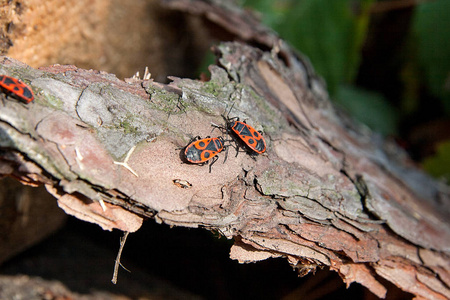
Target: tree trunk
327, 192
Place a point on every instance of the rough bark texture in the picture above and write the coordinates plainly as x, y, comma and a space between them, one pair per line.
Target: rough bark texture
120, 37
327, 193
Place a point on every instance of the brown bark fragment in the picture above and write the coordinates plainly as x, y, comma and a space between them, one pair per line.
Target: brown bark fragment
245, 253
357, 249
106, 215
408, 277
363, 275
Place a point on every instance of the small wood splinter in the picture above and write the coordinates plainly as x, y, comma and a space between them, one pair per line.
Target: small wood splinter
119, 254
125, 162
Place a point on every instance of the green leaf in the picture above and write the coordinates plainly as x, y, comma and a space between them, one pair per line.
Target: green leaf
272, 11
369, 108
432, 28
439, 164
331, 34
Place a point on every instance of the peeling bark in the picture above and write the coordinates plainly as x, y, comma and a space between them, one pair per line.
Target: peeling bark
327, 193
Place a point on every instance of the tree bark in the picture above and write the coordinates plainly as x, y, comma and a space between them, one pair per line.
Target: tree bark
327, 192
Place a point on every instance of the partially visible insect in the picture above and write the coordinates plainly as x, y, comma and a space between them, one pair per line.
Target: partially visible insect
200, 151
16, 88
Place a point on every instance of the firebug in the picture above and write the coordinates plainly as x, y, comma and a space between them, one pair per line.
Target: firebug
16, 88
200, 151
245, 134
248, 135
